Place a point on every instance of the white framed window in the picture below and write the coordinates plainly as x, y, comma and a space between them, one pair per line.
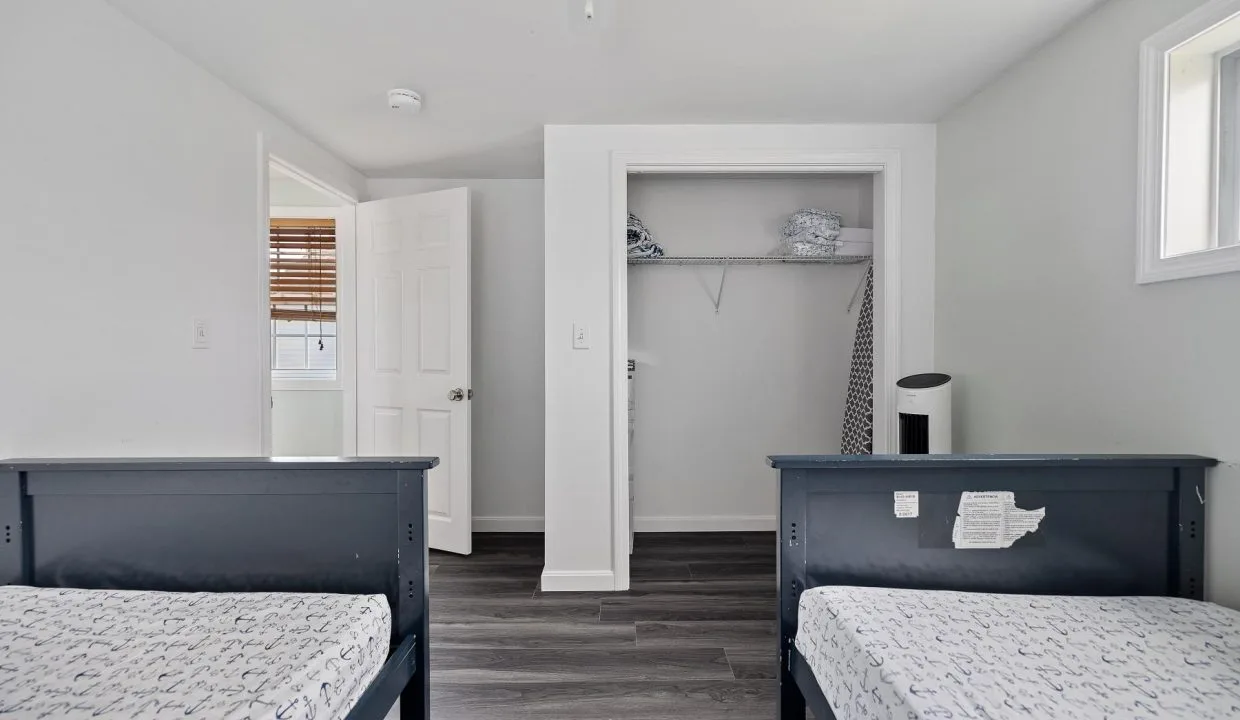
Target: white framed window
1189, 164
303, 297
303, 350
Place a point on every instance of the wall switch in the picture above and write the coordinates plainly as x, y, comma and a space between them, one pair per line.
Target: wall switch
202, 338
581, 337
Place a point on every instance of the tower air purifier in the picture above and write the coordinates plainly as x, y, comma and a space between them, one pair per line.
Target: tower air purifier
924, 403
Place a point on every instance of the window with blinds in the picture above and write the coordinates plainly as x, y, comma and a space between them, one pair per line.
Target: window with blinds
303, 269
303, 298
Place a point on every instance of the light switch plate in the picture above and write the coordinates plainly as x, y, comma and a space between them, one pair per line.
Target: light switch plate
202, 337
581, 337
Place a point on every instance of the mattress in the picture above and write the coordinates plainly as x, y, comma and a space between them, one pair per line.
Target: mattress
883, 653
127, 654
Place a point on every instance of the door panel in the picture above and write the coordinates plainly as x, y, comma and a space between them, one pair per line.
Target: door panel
413, 346
435, 322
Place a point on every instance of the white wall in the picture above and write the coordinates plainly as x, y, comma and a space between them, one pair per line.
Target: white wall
717, 393
307, 423
1054, 346
124, 214
288, 192
577, 169
507, 266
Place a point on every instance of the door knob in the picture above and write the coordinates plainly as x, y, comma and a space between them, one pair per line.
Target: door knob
456, 394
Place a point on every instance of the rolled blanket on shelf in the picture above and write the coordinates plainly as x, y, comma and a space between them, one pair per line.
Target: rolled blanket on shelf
819, 227
801, 248
641, 243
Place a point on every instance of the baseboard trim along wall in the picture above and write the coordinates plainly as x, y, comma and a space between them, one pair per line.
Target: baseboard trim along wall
705, 523
573, 581
509, 524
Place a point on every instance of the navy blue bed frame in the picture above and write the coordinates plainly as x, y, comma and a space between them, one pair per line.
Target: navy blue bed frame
1114, 525
324, 525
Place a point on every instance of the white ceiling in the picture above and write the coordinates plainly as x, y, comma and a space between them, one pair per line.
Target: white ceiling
493, 72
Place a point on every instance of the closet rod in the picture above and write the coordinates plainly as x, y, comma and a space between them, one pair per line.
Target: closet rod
749, 260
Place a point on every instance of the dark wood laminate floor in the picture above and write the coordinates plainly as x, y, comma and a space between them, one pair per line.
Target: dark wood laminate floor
694, 639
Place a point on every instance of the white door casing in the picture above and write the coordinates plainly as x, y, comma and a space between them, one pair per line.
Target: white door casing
413, 346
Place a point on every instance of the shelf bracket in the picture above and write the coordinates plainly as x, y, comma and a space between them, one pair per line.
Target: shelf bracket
860, 286
716, 298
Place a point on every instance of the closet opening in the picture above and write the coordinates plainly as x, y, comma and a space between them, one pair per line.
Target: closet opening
741, 308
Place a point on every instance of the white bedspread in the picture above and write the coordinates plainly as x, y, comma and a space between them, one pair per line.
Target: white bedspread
124, 654
883, 653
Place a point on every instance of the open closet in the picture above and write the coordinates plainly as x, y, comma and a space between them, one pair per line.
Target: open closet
741, 341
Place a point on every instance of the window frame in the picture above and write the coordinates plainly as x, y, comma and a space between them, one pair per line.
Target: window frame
307, 337
1152, 266
308, 383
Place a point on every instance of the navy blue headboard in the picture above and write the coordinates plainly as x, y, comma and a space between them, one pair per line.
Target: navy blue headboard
1114, 525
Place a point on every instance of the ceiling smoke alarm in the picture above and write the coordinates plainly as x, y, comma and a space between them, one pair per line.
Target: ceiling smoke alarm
405, 100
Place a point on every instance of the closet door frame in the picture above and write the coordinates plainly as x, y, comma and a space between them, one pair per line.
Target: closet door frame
884, 165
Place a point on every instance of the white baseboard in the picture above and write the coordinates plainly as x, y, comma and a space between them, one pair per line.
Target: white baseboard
578, 581
705, 523
513, 524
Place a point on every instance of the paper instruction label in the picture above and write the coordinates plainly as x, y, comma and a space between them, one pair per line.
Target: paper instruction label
907, 504
991, 520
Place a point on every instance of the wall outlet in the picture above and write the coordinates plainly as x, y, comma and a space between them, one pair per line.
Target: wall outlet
202, 337
581, 337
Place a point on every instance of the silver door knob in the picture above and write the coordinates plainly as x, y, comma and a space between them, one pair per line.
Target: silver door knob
456, 394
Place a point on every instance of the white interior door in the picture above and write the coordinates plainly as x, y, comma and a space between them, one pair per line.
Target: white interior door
413, 346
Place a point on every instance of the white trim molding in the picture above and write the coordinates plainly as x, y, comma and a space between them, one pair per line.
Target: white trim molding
305, 385
578, 581
1156, 199
586, 270
705, 523
263, 242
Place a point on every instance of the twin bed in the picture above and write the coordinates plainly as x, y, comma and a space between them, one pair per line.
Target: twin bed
915, 587
909, 587
214, 589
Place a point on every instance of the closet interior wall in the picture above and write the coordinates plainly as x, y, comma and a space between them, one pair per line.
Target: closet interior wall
715, 392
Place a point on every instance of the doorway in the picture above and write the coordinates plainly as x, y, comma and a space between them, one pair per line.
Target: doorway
738, 348
876, 173
308, 365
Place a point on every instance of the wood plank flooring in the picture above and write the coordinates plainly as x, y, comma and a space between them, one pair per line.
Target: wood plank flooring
694, 639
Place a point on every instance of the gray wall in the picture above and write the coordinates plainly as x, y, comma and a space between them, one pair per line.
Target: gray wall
1055, 347
717, 393
507, 266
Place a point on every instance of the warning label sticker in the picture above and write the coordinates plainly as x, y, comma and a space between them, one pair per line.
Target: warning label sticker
907, 504
991, 520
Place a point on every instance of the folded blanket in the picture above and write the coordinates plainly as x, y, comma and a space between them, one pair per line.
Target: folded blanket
812, 226
802, 248
641, 242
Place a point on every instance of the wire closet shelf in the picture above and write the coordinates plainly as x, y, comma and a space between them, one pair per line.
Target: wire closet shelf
750, 260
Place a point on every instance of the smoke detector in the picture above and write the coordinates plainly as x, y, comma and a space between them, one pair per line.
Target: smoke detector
405, 101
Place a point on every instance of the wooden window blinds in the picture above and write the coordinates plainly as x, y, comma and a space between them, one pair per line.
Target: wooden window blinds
303, 269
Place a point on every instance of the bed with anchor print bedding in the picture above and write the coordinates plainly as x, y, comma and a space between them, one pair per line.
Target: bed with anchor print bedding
67, 653
889, 653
